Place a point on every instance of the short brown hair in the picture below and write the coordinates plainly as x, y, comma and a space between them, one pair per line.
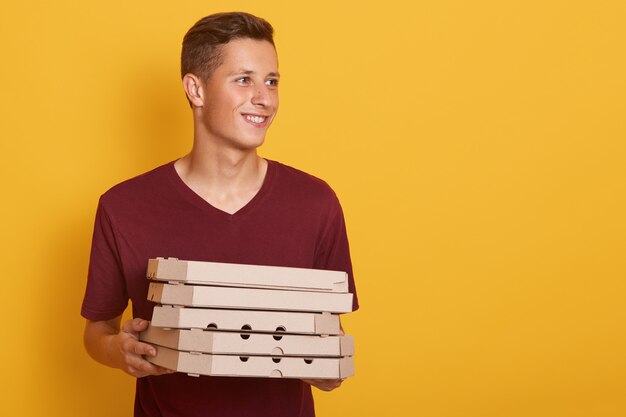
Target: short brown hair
202, 45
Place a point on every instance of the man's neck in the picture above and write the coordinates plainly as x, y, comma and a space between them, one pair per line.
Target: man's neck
226, 178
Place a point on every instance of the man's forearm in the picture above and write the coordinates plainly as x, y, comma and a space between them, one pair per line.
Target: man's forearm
97, 337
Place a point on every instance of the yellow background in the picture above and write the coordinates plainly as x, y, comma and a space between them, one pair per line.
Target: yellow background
478, 149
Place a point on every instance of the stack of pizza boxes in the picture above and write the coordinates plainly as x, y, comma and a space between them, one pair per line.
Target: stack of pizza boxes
249, 320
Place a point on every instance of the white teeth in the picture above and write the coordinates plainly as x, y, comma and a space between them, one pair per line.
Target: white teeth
255, 119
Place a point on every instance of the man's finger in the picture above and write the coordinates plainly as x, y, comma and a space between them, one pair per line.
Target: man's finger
151, 369
139, 367
324, 384
163, 371
139, 348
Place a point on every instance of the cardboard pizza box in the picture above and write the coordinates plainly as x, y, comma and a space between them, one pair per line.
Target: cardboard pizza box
236, 320
229, 343
253, 366
241, 275
248, 298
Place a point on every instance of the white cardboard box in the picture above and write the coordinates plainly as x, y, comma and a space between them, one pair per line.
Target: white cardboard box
229, 343
235, 320
249, 298
253, 366
241, 275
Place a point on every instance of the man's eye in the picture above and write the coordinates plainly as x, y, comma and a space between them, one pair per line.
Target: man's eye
272, 82
243, 80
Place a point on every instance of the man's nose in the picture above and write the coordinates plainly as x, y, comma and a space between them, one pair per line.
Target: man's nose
261, 97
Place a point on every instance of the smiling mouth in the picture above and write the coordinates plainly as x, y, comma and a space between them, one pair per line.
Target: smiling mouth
255, 119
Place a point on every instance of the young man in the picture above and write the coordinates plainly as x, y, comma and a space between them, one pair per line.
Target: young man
221, 203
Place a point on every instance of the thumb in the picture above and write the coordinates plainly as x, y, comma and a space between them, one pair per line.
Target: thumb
135, 325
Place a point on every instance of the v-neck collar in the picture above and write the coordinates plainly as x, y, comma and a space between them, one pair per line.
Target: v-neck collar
195, 199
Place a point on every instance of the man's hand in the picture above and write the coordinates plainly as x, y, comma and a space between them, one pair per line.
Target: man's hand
128, 351
324, 384
121, 348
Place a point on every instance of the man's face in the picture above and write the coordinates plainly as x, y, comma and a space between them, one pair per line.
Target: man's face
241, 97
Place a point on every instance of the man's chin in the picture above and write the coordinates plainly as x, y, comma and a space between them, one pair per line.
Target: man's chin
249, 145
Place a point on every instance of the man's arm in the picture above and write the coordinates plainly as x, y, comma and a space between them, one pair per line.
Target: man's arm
120, 348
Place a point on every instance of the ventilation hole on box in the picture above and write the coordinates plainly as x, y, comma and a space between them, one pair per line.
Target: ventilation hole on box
246, 327
212, 326
244, 358
308, 361
276, 360
279, 329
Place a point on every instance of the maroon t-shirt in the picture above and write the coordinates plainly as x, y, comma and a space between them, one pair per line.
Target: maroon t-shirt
294, 220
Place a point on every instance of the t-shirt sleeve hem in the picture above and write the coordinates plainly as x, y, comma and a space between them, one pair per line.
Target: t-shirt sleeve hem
100, 315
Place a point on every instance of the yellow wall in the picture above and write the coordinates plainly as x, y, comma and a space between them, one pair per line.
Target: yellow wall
478, 148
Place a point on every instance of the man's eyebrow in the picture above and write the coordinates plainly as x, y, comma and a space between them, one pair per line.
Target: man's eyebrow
244, 71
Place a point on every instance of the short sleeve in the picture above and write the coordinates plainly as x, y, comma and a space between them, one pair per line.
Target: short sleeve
333, 250
105, 296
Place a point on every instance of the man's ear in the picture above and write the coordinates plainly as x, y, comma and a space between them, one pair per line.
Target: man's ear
194, 89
